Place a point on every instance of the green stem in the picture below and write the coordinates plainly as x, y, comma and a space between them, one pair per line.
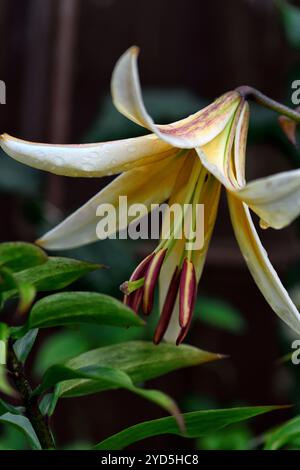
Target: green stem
248, 92
30, 403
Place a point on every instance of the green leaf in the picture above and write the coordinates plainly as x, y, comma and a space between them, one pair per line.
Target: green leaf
10, 282
27, 295
219, 314
47, 404
4, 384
60, 372
18, 256
24, 425
7, 408
71, 308
106, 377
141, 360
198, 423
56, 273
4, 334
283, 435
23, 346
290, 16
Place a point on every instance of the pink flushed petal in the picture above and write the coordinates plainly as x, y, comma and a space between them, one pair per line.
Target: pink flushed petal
187, 293
167, 307
151, 278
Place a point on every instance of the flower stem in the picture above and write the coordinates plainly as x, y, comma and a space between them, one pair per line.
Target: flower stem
30, 403
248, 92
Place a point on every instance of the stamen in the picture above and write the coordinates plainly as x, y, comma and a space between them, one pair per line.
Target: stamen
136, 299
151, 277
183, 332
187, 293
167, 308
131, 299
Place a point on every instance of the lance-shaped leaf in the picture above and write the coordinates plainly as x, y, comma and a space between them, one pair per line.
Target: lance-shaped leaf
5, 386
141, 360
198, 423
55, 274
23, 346
4, 334
283, 435
22, 424
18, 256
106, 377
9, 282
7, 408
71, 308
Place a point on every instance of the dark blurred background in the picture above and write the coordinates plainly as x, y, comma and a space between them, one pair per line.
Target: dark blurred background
56, 58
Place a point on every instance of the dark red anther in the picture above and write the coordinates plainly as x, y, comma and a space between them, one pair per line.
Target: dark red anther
168, 307
151, 278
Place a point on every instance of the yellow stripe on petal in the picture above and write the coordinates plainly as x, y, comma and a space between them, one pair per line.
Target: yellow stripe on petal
87, 160
240, 144
194, 131
276, 199
210, 198
147, 185
217, 155
260, 266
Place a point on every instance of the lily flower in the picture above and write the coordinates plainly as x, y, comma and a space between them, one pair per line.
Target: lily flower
185, 162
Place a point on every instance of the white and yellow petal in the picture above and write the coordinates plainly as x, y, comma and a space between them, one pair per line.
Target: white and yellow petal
263, 273
151, 184
87, 160
210, 199
193, 131
275, 199
224, 156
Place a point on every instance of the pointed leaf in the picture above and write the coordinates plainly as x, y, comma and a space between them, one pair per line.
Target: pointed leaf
71, 308
106, 377
18, 256
23, 346
283, 434
141, 360
198, 423
23, 289
55, 274
24, 425
7, 408
5, 387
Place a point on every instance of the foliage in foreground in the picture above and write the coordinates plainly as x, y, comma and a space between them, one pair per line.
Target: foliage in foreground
25, 271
